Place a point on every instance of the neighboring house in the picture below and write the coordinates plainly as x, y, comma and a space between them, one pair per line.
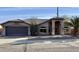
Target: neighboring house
67, 30
1, 29
53, 26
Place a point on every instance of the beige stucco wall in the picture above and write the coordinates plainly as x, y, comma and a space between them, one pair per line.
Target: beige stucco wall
43, 25
53, 27
62, 27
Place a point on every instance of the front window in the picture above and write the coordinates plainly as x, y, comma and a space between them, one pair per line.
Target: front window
66, 29
43, 29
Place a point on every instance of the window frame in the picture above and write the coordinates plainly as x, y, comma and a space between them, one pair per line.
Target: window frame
43, 28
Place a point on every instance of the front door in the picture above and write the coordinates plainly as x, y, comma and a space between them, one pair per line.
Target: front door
57, 27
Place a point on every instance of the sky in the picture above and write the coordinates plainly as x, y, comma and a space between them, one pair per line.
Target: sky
10, 13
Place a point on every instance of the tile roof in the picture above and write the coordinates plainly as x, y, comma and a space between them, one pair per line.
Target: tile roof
37, 21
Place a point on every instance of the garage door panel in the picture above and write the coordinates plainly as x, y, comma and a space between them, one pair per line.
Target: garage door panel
16, 31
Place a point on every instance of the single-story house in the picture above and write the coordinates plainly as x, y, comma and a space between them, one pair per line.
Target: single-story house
53, 26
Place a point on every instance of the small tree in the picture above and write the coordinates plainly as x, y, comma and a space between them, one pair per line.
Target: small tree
74, 22
33, 27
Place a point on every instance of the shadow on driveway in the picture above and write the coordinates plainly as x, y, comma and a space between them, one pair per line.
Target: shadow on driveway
43, 39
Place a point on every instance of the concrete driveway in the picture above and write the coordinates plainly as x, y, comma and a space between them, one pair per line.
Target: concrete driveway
39, 44
4, 40
59, 39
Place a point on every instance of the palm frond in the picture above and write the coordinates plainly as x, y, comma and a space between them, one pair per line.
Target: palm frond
68, 24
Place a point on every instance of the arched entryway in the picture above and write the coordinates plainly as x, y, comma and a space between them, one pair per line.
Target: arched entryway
57, 27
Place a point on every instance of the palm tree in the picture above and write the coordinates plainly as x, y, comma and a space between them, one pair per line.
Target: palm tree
74, 22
